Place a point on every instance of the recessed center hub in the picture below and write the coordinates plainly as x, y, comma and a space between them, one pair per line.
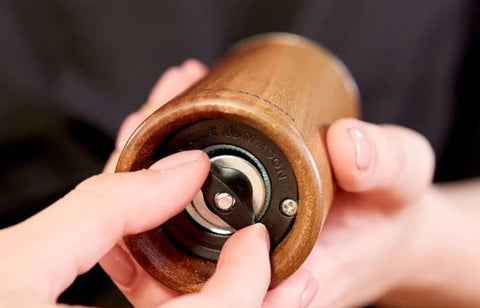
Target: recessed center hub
200, 212
249, 180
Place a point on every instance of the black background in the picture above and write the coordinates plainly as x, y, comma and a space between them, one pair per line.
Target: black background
70, 71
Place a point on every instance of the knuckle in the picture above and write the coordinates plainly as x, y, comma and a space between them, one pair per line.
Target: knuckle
106, 193
412, 159
427, 156
103, 185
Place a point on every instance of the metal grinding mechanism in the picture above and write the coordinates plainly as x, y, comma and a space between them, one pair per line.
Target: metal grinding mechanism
260, 115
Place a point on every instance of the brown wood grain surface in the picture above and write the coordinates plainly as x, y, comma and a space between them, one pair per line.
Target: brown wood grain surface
283, 85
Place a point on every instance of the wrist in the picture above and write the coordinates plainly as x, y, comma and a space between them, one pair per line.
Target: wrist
437, 267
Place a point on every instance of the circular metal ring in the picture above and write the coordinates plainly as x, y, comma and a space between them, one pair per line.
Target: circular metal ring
199, 211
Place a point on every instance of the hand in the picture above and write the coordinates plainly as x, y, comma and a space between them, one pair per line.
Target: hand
366, 248
43, 255
383, 230
138, 286
378, 178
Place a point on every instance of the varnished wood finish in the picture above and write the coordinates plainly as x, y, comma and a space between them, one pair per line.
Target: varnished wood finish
283, 85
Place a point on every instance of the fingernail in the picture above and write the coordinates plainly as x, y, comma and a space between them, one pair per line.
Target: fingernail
309, 292
178, 159
261, 230
121, 269
363, 148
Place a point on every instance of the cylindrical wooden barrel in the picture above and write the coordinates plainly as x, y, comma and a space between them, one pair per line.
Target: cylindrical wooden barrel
274, 96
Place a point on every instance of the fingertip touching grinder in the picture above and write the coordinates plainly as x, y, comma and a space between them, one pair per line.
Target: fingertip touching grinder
260, 114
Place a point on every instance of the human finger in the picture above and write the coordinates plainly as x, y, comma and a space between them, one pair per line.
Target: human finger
141, 289
242, 276
118, 262
367, 157
171, 83
69, 237
297, 290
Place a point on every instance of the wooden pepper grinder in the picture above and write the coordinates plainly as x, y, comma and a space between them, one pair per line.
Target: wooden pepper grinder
259, 114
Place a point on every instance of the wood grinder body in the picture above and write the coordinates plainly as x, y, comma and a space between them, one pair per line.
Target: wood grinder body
260, 114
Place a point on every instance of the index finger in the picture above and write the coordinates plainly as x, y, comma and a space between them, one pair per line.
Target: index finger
69, 237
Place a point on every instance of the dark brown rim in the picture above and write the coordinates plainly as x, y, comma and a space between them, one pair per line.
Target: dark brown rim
184, 272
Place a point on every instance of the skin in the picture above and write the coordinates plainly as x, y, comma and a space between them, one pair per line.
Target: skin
43, 255
385, 239
391, 235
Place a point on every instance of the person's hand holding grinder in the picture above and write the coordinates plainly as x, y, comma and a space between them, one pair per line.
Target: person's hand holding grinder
43, 255
386, 236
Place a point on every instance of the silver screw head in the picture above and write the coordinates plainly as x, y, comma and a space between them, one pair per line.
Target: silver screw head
224, 201
289, 207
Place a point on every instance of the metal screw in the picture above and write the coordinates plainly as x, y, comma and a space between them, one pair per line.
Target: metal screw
289, 207
224, 201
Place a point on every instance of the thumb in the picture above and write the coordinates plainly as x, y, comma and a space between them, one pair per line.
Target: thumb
367, 157
69, 237
242, 275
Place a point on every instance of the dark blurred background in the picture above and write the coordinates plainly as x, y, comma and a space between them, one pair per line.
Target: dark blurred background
71, 71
